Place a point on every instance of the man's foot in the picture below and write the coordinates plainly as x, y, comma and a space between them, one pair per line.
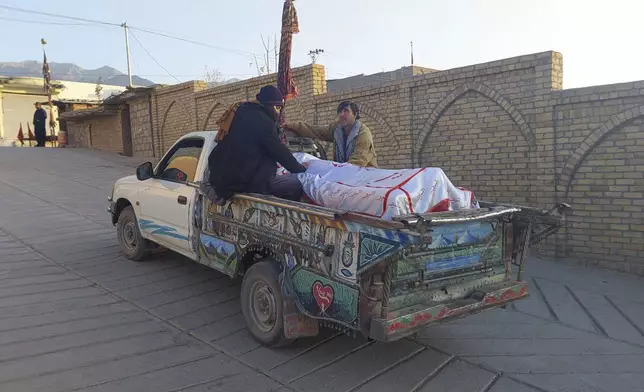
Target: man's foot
210, 193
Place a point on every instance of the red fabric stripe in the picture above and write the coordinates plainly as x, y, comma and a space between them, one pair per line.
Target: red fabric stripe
384, 202
411, 207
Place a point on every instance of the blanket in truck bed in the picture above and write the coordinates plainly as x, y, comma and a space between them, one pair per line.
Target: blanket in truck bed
380, 192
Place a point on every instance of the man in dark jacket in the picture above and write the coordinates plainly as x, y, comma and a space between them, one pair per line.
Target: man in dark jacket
40, 125
248, 150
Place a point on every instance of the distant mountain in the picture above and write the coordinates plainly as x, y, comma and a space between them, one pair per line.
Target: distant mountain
221, 82
72, 73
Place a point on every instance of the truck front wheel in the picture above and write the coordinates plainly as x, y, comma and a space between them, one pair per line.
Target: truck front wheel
261, 303
132, 244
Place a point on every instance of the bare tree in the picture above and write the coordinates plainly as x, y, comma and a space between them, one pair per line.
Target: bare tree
260, 68
213, 77
267, 61
264, 66
99, 88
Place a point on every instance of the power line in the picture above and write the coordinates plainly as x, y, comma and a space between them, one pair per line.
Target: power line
148, 31
162, 34
10, 8
152, 57
44, 22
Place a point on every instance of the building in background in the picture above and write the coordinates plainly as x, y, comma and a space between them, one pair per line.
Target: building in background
362, 80
18, 95
114, 124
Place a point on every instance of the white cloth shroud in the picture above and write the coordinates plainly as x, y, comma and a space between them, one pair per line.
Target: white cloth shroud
380, 192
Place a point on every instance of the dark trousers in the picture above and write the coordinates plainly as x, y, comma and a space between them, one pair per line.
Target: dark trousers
40, 134
286, 187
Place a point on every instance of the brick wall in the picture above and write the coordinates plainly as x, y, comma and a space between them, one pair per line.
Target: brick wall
211, 103
174, 113
599, 155
99, 132
78, 135
505, 129
141, 126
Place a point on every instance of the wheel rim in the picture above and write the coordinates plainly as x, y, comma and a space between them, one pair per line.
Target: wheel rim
129, 235
263, 309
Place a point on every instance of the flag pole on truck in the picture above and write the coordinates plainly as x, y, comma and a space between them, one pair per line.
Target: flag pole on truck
46, 73
285, 82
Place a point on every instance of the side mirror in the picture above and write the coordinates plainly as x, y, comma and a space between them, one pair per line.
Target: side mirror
144, 171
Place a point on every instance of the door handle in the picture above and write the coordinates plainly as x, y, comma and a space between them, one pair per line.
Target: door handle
182, 200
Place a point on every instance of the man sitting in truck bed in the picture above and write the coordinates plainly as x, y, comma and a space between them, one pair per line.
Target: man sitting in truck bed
352, 139
248, 149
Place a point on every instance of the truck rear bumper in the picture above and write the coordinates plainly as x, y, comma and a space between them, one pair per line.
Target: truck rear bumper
407, 321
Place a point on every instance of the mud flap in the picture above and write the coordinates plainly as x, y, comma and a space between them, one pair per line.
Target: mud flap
296, 324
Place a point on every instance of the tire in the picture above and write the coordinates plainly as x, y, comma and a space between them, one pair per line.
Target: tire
132, 244
261, 304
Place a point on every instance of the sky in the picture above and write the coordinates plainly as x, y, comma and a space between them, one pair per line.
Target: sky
601, 41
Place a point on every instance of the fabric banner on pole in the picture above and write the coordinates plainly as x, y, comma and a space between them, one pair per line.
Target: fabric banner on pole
285, 82
29, 133
290, 26
21, 136
46, 72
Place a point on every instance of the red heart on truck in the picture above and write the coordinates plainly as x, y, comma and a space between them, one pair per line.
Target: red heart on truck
323, 295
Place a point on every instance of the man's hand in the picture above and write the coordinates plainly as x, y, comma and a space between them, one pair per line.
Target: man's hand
306, 164
289, 131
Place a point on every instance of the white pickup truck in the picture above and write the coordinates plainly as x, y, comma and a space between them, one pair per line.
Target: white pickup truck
305, 265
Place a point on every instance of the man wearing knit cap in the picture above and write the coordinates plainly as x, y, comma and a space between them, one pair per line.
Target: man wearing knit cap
248, 150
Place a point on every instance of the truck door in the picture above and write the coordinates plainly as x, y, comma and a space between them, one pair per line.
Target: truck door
167, 202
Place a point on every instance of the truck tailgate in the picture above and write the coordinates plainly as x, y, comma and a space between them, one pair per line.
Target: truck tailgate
459, 263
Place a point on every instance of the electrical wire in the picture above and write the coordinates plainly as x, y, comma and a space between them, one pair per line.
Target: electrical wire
152, 57
162, 34
44, 22
153, 32
10, 8
148, 31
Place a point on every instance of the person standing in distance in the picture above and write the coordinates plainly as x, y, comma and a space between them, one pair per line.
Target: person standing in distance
40, 125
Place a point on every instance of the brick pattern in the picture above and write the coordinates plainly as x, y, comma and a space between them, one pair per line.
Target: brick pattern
76, 314
106, 134
100, 132
141, 125
608, 194
78, 135
505, 129
480, 147
174, 113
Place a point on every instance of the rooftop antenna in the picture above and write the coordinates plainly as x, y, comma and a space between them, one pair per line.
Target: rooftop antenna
314, 54
412, 53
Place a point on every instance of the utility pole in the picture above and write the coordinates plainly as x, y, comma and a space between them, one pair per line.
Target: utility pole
127, 50
314, 54
47, 77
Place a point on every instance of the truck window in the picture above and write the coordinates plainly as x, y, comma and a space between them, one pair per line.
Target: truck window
180, 165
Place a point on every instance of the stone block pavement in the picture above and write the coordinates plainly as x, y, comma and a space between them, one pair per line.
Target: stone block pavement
76, 315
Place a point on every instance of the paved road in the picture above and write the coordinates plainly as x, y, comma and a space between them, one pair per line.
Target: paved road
76, 315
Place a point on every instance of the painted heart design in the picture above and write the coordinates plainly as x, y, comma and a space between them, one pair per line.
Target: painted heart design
323, 295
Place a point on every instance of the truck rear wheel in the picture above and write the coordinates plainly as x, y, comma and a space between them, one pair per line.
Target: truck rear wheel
132, 244
261, 303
